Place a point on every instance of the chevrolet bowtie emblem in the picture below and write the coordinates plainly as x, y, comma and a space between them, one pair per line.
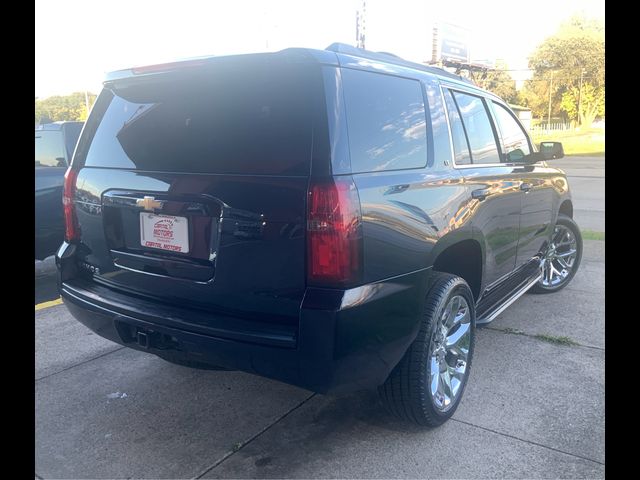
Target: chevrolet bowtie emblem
149, 203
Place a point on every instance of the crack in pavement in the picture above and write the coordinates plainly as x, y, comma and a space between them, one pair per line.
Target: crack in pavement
578, 290
531, 442
251, 439
535, 337
78, 364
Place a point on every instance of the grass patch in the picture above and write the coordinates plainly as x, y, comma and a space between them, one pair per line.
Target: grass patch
555, 340
588, 142
541, 336
592, 235
512, 331
236, 447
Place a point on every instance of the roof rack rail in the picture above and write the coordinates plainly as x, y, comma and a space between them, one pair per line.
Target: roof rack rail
391, 58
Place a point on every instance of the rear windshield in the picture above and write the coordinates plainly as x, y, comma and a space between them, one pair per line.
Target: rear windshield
50, 149
236, 120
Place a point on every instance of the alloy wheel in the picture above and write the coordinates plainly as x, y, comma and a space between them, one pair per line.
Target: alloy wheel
449, 352
559, 260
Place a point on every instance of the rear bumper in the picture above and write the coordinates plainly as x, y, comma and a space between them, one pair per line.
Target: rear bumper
347, 339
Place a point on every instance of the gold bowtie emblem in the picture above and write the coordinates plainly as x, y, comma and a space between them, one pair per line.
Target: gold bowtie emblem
149, 203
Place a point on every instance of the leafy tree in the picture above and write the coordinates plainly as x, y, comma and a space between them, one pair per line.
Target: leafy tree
499, 82
535, 95
576, 51
590, 102
66, 107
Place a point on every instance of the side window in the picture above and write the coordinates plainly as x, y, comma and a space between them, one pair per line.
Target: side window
386, 120
477, 125
50, 149
460, 145
515, 140
438, 124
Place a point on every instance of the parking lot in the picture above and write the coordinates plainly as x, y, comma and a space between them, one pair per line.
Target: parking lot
533, 408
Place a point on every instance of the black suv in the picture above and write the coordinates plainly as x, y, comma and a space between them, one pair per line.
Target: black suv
336, 219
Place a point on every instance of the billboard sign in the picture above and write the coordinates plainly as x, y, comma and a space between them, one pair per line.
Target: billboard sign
453, 43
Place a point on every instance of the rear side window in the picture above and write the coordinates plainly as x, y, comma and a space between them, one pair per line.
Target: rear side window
477, 125
515, 140
438, 125
386, 121
50, 149
244, 119
460, 145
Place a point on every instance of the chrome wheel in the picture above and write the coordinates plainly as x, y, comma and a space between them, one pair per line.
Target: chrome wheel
560, 258
449, 352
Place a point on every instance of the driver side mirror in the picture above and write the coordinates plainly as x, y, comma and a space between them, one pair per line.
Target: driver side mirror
551, 150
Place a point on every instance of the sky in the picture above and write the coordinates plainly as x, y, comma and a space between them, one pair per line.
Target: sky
78, 41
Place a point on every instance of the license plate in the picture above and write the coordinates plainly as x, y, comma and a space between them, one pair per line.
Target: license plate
164, 232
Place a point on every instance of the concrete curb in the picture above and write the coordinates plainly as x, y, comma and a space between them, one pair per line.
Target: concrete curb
46, 267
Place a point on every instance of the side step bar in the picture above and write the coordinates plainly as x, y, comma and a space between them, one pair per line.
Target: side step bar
491, 315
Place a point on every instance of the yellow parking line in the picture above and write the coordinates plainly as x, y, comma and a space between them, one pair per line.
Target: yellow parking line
52, 303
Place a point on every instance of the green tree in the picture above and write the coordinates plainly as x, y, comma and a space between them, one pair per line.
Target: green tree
500, 82
535, 95
574, 58
590, 101
66, 107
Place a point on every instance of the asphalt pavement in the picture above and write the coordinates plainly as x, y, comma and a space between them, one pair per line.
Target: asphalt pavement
533, 408
586, 180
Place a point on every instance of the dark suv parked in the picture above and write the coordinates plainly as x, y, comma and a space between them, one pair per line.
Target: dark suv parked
334, 219
54, 144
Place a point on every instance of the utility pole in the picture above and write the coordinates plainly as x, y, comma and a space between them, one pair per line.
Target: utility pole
580, 99
360, 25
550, 90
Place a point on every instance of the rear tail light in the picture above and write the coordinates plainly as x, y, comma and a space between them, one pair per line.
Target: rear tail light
334, 233
71, 229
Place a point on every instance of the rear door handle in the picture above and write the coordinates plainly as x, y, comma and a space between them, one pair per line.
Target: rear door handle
480, 194
525, 187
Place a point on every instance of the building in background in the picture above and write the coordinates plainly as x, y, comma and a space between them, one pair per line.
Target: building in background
524, 115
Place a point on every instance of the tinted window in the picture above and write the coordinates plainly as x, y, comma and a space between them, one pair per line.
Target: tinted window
478, 128
71, 134
515, 140
50, 149
386, 121
248, 119
439, 129
460, 145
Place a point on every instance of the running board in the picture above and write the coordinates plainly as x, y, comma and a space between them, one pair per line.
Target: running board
516, 295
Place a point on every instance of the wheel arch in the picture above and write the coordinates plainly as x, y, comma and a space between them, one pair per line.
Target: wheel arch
566, 208
461, 256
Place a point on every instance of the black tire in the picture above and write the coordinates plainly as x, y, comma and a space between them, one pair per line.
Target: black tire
567, 222
406, 392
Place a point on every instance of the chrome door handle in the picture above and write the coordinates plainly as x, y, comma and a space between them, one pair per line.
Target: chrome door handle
525, 187
480, 194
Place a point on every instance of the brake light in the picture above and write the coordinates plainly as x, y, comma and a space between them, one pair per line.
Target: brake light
71, 230
334, 233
